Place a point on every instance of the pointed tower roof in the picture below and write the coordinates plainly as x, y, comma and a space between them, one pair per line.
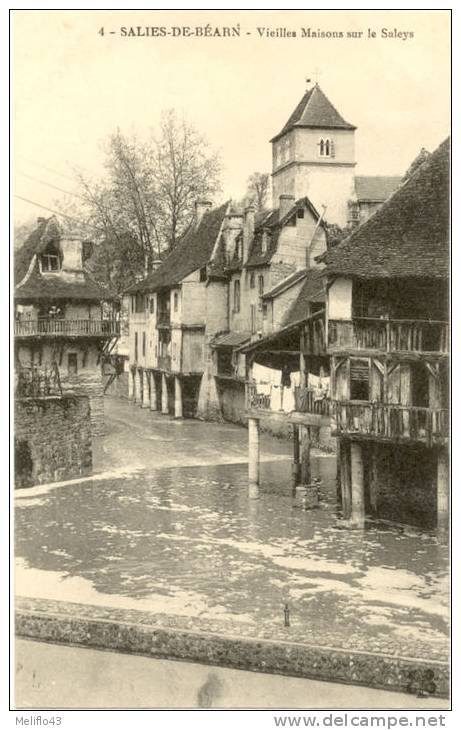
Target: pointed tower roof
315, 111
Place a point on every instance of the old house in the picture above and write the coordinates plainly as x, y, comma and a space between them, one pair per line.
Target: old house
173, 313
64, 325
387, 336
265, 274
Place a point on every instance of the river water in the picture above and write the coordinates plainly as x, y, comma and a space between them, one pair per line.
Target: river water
167, 526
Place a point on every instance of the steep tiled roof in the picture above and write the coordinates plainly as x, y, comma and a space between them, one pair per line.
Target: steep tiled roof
46, 230
315, 111
409, 235
285, 284
375, 188
32, 284
312, 291
52, 286
230, 339
191, 253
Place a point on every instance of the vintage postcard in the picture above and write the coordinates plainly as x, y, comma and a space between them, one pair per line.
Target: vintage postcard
231, 334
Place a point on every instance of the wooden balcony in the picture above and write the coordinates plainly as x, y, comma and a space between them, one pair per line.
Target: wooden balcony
389, 422
388, 335
306, 401
310, 401
67, 328
258, 401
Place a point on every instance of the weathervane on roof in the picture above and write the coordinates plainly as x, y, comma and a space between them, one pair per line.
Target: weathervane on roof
317, 73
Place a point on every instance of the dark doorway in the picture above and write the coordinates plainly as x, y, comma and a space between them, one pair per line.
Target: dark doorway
23, 464
419, 385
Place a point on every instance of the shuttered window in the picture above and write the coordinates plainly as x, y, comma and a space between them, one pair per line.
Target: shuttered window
360, 379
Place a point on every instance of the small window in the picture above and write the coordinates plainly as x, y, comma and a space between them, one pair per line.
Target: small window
144, 344
253, 318
140, 304
252, 281
261, 285
237, 295
264, 242
175, 301
326, 148
136, 346
203, 274
152, 305
300, 213
50, 262
72, 363
264, 310
360, 380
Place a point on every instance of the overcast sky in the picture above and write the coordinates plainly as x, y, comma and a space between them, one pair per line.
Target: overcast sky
72, 87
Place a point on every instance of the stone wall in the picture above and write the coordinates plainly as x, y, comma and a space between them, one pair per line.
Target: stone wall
86, 381
139, 632
52, 439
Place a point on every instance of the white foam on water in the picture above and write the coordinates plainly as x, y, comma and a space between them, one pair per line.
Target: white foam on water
55, 585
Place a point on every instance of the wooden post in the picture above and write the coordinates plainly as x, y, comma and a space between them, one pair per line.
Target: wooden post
253, 451
302, 359
153, 393
130, 384
295, 468
305, 455
145, 389
346, 499
137, 385
443, 490
164, 395
357, 485
374, 479
177, 397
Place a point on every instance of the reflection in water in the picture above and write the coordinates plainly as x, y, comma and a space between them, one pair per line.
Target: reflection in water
191, 541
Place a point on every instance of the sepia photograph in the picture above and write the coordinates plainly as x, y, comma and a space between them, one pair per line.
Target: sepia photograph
230, 361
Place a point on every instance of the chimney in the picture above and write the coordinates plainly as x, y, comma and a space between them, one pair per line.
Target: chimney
201, 207
248, 230
286, 202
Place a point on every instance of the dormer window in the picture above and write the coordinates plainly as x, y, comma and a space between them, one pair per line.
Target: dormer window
326, 147
264, 242
50, 260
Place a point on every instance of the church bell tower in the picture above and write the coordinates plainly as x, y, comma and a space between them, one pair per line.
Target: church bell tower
314, 156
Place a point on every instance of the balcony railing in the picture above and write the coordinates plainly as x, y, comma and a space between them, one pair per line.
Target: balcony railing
390, 422
258, 400
388, 335
164, 362
308, 400
67, 327
37, 382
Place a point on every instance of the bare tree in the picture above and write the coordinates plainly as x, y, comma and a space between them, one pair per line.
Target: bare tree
146, 197
184, 169
258, 185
